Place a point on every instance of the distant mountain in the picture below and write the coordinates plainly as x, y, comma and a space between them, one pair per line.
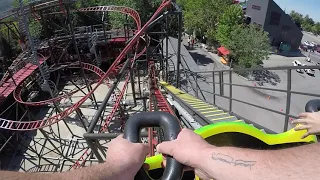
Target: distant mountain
5, 5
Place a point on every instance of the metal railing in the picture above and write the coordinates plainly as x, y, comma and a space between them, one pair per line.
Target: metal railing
222, 86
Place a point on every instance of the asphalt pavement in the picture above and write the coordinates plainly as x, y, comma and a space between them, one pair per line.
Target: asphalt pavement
310, 37
269, 99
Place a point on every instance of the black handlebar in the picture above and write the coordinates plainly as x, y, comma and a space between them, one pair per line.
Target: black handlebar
313, 106
171, 128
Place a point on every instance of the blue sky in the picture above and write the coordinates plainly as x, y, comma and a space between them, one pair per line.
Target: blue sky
304, 7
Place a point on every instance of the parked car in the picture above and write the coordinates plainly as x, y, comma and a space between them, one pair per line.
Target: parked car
307, 43
297, 63
310, 72
303, 47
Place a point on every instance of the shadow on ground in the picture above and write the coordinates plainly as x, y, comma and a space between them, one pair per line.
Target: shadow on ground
290, 54
266, 77
200, 59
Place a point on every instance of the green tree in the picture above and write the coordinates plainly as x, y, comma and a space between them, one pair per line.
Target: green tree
297, 17
145, 8
35, 28
231, 18
307, 27
316, 28
203, 15
307, 23
308, 20
248, 45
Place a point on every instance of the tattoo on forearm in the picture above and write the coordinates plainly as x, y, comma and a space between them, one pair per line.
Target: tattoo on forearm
229, 160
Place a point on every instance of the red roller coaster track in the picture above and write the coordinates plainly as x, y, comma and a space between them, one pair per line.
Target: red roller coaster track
37, 124
17, 92
125, 10
81, 161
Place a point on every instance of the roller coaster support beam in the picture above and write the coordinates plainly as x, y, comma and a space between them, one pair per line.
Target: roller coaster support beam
10, 29
49, 140
144, 100
154, 22
167, 49
45, 30
106, 99
11, 75
132, 81
94, 149
78, 54
83, 121
65, 50
139, 82
107, 136
104, 26
133, 87
73, 83
43, 132
15, 27
179, 49
45, 24
54, 146
125, 28
13, 104
7, 141
162, 55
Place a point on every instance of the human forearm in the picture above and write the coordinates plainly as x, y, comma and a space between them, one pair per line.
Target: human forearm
31, 176
95, 172
105, 171
235, 163
226, 163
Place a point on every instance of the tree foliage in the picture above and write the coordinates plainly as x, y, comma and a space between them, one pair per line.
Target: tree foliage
248, 45
203, 15
231, 18
145, 8
307, 23
35, 28
222, 21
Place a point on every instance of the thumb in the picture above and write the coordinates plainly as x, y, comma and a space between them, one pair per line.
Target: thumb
166, 147
146, 148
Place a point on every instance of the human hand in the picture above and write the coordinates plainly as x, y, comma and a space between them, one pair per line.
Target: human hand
187, 149
309, 122
125, 157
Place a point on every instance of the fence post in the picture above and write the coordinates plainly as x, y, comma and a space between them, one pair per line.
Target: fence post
214, 88
221, 82
197, 89
230, 91
288, 100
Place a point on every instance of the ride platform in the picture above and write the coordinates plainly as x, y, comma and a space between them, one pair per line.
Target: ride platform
10, 83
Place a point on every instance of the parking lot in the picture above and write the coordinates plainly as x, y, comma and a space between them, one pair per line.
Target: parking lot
300, 82
300, 79
310, 37
278, 79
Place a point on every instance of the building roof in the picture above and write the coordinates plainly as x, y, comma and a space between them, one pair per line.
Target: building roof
223, 50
